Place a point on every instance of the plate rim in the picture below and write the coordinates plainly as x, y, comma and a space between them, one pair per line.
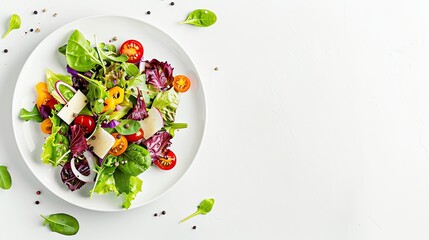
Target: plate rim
204, 98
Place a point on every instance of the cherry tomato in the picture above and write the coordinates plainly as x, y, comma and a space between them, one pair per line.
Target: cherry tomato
119, 146
136, 136
44, 97
46, 126
166, 162
87, 123
181, 83
133, 49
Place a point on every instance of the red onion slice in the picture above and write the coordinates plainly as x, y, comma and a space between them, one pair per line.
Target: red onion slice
90, 159
57, 89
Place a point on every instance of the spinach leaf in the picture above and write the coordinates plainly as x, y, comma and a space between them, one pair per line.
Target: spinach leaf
136, 160
205, 207
128, 126
5, 179
14, 23
79, 54
201, 18
122, 181
33, 115
62, 223
56, 146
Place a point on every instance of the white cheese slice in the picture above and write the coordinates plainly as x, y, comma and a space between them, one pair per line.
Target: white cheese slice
70, 111
152, 124
101, 141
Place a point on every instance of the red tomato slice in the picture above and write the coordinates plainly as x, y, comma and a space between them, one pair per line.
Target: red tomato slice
87, 123
133, 49
166, 162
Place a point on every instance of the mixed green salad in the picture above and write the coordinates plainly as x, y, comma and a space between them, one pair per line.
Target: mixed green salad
110, 118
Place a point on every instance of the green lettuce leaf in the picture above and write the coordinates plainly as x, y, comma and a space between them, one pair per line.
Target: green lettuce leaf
167, 103
135, 187
56, 147
105, 182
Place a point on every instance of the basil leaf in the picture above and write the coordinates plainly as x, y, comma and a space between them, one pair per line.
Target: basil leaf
201, 18
62, 223
33, 115
136, 160
79, 54
5, 179
14, 23
128, 126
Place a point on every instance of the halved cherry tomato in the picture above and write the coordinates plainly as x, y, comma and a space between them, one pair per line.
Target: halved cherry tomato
87, 123
109, 104
119, 146
133, 49
117, 94
136, 136
46, 126
181, 83
166, 162
44, 97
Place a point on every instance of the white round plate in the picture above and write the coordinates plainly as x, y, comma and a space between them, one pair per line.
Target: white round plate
157, 44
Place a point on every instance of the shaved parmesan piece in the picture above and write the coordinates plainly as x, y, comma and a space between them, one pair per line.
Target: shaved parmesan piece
101, 141
153, 123
71, 110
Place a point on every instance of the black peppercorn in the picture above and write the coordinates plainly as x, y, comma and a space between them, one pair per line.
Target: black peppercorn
172, 3
31, 30
194, 227
163, 212
148, 12
37, 202
38, 192
155, 215
35, 12
5, 50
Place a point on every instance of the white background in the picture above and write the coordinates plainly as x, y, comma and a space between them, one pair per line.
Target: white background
317, 122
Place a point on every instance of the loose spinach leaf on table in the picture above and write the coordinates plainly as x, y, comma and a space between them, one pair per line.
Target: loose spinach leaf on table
201, 18
205, 207
14, 23
5, 179
62, 223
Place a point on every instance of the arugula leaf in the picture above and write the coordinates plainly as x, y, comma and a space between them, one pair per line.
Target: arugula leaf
33, 115
80, 56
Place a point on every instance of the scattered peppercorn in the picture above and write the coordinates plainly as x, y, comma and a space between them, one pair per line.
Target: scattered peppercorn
37, 29
194, 227
37, 202
31, 30
5, 50
91, 148
148, 12
44, 10
35, 12
115, 39
38, 192
216, 68
155, 215
163, 212
172, 3
118, 136
55, 14
126, 125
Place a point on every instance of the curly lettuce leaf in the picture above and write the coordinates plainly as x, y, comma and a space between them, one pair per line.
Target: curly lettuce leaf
167, 103
56, 147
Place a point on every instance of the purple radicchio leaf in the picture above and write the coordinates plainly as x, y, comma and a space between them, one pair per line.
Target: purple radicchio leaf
158, 144
67, 176
111, 124
73, 72
159, 74
77, 141
45, 111
139, 111
79, 82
